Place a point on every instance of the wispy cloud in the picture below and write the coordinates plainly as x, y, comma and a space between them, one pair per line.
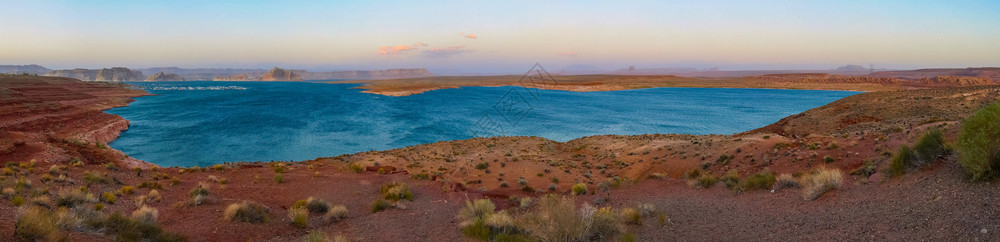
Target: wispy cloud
470, 35
444, 52
399, 49
567, 53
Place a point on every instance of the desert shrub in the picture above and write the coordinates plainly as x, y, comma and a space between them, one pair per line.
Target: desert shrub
98, 207
380, 205
632, 216
929, 147
315, 236
7, 171
247, 212
421, 176
219, 167
556, 219
38, 224
900, 161
605, 223
126, 229
478, 209
127, 190
279, 178
299, 217
313, 205
396, 191
145, 214
151, 185
731, 179
355, 167
817, 182
761, 180
525, 202
109, 197
785, 181
828, 159
580, 189
705, 180
17, 201
72, 197
336, 213
979, 143
477, 230
153, 195
482, 166
198, 194
94, 177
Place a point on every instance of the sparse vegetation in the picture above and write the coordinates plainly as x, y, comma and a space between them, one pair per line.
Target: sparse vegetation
785, 181
979, 144
336, 213
198, 194
580, 189
299, 217
704, 180
762, 180
929, 148
247, 212
632, 216
380, 205
38, 224
396, 191
819, 181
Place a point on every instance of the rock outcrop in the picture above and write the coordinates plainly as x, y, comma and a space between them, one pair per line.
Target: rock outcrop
115, 74
22, 69
160, 76
278, 74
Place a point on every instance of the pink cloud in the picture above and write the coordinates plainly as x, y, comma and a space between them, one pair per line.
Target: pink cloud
567, 53
399, 49
470, 36
444, 52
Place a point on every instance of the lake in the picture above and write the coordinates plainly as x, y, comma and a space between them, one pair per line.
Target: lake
202, 123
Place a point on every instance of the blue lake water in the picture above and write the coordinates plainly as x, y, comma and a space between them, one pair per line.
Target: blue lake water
204, 123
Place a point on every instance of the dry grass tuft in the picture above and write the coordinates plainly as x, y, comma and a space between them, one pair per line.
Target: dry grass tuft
817, 182
785, 181
336, 213
145, 215
248, 212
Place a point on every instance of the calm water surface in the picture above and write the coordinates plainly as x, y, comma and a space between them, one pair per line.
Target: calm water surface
205, 123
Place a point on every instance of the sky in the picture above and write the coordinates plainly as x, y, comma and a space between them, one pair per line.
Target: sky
500, 36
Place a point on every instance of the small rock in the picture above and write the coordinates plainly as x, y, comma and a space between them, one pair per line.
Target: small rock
983, 231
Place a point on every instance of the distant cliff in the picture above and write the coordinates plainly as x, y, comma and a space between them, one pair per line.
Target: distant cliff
235, 78
378, 74
21, 69
278, 74
116, 74
160, 76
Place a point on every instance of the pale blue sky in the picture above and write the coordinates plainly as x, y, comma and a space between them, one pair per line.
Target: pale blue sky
510, 35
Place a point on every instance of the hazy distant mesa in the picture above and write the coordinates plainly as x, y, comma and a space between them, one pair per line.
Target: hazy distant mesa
117, 74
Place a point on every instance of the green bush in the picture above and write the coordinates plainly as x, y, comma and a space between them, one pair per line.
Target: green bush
929, 147
901, 160
380, 205
579, 189
761, 180
979, 143
299, 217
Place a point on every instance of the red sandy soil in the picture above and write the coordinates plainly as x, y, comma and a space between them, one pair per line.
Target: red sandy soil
931, 203
56, 119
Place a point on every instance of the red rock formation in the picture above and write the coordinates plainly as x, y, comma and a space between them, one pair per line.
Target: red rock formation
55, 119
278, 74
